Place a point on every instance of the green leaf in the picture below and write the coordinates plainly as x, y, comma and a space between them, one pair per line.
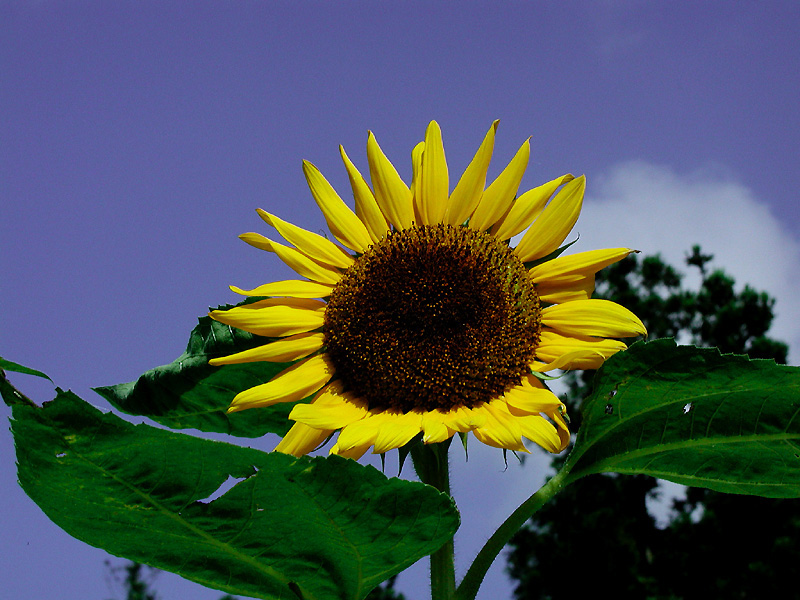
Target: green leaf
312, 528
7, 365
189, 393
695, 417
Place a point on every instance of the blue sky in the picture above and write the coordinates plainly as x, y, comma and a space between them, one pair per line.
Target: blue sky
137, 139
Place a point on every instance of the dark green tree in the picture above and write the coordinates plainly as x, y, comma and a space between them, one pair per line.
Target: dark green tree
134, 582
137, 581
386, 591
598, 535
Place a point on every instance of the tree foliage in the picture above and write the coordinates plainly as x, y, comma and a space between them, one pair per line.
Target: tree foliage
598, 533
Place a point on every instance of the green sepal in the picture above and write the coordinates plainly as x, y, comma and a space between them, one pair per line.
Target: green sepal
404, 450
544, 377
554, 254
464, 439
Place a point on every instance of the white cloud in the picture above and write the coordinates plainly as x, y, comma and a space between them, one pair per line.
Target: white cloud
653, 209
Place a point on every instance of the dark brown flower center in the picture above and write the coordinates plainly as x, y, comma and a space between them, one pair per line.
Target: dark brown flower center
434, 316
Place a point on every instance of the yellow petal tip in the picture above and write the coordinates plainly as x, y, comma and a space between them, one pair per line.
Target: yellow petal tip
264, 215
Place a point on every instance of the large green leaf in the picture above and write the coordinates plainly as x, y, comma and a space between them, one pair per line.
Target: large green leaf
695, 417
318, 529
189, 393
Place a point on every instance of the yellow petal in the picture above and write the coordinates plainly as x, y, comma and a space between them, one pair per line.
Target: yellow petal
575, 352
501, 429
311, 244
465, 419
367, 208
498, 197
299, 262
576, 267
295, 288
555, 222
531, 381
593, 317
468, 192
257, 241
542, 432
359, 434
558, 294
302, 439
435, 182
275, 317
559, 418
398, 431
298, 381
391, 193
530, 400
569, 278
434, 429
331, 409
526, 208
416, 181
284, 350
343, 222
565, 361
354, 452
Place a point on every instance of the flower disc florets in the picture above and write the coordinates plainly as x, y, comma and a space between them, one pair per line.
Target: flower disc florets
433, 317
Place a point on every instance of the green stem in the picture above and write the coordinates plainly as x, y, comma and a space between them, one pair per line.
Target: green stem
431, 464
468, 588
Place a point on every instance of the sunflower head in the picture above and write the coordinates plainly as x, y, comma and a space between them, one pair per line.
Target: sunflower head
426, 320
433, 317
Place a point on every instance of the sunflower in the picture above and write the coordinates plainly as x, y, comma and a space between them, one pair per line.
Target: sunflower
428, 322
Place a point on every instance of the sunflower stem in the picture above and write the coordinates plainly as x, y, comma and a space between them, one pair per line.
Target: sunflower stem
432, 467
468, 588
